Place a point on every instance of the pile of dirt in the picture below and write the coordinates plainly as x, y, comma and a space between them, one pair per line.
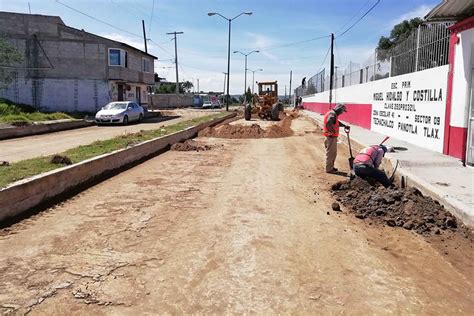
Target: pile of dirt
191, 145
61, 160
281, 129
407, 208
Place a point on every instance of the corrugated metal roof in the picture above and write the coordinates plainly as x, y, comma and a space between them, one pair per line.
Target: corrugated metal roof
450, 10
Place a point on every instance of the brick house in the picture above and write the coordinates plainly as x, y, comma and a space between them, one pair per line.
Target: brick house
66, 69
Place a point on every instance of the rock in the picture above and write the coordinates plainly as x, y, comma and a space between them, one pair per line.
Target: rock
360, 216
437, 232
451, 223
408, 225
63, 285
380, 212
391, 223
336, 207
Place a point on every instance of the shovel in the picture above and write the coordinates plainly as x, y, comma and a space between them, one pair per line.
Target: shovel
351, 158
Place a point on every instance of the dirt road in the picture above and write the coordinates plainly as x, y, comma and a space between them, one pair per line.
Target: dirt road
243, 227
48, 144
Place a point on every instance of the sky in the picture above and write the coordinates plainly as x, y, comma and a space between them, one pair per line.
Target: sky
281, 29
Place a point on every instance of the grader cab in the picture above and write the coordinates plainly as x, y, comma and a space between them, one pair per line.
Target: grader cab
265, 104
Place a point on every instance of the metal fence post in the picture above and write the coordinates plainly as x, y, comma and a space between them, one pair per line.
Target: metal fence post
417, 47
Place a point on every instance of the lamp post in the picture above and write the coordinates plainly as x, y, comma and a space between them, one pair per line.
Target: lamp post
245, 80
253, 77
228, 50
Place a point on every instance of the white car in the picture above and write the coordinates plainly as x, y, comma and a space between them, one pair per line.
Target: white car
121, 112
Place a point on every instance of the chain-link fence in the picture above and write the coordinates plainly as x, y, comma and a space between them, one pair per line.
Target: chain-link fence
425, 48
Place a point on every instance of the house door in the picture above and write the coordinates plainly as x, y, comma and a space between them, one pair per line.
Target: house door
470, 126
120, 92
138, 95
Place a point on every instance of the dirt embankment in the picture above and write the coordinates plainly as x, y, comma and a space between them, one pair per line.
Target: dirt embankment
409, 209
280, 129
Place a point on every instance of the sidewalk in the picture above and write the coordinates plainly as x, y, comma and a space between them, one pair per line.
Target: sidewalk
437, 175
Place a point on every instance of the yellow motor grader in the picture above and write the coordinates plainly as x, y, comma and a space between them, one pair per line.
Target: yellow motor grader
265, 104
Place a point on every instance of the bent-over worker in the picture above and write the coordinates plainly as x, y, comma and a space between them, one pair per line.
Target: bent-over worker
366, 164
331, 131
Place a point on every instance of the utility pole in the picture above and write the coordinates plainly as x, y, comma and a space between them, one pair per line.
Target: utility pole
331, 71
198, 85
144, 36
335, 85
291, 75
176, 57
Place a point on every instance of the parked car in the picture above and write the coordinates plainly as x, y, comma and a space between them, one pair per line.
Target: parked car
121, 112
206, 101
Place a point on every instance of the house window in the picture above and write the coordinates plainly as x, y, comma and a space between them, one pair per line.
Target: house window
146, 65
118, 57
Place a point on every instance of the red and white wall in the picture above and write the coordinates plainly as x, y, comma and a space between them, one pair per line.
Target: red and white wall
461, 59
427, 108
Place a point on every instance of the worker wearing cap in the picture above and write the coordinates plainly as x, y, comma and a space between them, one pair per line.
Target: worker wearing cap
331, 131
368, 160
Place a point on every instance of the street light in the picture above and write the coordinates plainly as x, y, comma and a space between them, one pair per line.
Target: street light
245, 81
228, 50
253, 77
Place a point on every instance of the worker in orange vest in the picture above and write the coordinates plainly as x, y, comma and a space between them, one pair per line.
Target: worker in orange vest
331, 131
367, 162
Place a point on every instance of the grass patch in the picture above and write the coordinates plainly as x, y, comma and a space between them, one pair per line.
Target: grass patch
20, 113
30, 167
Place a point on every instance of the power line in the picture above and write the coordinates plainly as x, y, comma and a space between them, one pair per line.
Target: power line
337, 52
325, 57
111, 25
294, 43
356, 14
151, 17
354, 24
96, 19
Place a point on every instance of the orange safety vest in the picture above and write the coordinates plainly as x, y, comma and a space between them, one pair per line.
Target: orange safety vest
326, 132
366, 156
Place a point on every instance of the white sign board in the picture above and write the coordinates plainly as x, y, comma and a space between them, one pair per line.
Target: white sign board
412, 107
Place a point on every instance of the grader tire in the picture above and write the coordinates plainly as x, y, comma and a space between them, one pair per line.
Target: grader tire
248, 112
275, 112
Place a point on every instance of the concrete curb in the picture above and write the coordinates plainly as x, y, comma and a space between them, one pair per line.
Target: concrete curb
22, 131
26, 194
453, 206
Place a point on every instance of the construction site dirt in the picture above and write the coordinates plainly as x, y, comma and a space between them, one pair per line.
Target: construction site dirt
238, 130
246, 227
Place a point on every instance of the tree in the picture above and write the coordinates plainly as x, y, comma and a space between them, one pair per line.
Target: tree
399, 33
187, 86
248, 95
8, 57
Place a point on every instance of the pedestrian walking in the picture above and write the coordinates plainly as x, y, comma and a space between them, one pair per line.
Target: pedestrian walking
331, 132
366, 164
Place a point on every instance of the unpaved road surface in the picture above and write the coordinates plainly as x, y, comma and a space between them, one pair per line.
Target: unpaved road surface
243, 227
48, 144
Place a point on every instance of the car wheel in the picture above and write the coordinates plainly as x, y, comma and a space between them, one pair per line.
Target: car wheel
125, 120
140, 118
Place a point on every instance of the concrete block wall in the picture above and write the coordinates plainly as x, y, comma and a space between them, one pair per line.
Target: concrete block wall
160, 101
64, 95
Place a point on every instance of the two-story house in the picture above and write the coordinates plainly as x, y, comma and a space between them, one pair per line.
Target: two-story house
66, 69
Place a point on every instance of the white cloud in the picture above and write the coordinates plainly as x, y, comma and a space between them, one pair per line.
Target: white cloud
261, 41
132, 41
420, 11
